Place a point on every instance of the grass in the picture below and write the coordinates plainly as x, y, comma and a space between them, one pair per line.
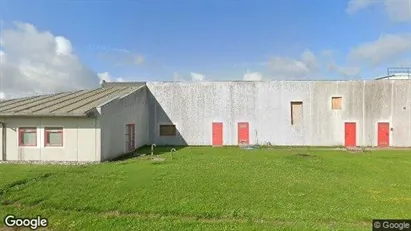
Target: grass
215, 189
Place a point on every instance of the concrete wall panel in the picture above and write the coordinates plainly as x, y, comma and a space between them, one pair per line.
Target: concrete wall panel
78, 139
193, 106
378, 108
115, 115
401, 114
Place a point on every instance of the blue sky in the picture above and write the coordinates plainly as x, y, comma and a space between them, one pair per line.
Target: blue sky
223, 39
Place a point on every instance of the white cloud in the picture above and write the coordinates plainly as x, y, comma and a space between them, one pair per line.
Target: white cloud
328, 62
327, 53
63, 46
100, 48
122, 59
310, 67
2, 95
349, 71
105, 76
252, 76
177, 77
356, 5
284, 67
118, 56
397, 10
2, 57
309, 59
193, 77
37, 62
139, 60
197, 76
386, 48
405, 62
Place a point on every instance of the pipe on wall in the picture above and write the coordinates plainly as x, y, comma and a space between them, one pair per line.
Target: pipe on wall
4, 132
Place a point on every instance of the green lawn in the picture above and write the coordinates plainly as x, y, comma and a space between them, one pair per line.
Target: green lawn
215, 189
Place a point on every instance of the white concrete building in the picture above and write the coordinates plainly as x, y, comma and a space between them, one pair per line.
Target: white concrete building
101, 124
396, 76
76, 126
397, 73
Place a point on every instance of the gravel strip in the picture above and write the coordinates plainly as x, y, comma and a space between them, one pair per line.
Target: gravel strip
48, 162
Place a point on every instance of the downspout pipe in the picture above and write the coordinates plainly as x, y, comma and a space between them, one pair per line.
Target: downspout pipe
4, 132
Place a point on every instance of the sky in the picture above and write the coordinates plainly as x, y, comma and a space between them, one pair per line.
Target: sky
49, 46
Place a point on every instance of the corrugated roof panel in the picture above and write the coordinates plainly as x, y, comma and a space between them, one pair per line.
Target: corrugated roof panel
4, 103
44, 102
44, 108
76, 103
55, 108
101, 100
90, 101
15, 104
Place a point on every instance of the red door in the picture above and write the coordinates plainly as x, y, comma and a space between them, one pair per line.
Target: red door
217, 134
243, 133
383, 134
350, 135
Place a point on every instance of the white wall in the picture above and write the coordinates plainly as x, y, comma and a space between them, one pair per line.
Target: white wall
115, 115
193, 106
81, 139
397, 76
1, 139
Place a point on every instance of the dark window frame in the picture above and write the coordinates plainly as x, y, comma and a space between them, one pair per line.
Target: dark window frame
130, 137
22, 131
163, 132
49, 130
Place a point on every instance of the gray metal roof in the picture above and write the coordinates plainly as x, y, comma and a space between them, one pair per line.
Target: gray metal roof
77, 103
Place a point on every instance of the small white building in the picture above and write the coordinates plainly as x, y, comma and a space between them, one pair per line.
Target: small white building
79, 126
397, 76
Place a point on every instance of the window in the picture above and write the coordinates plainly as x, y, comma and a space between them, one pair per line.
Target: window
296, 113
28, 137
130, 137
53, 137
336, 103
168, 130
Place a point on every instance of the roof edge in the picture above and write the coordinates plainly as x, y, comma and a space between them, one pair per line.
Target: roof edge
98, 108
105, 84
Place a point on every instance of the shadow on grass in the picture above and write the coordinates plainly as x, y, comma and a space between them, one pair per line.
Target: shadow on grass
146, 150
20, 184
